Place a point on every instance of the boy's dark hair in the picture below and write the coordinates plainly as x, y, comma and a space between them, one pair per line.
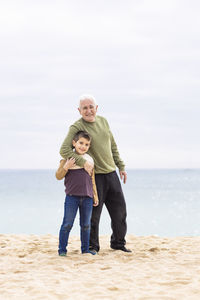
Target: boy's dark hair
81, 134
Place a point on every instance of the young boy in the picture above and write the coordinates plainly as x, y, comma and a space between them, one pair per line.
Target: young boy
80, 193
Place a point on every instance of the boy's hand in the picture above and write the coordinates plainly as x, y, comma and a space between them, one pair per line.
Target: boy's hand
69, 164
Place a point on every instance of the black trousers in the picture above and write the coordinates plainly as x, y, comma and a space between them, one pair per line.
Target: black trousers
109, 192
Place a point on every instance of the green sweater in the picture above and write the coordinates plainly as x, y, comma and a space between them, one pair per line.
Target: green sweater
103, 148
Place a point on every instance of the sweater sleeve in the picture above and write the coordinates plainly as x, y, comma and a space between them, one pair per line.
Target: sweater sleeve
118, 161
66, 150
115, 153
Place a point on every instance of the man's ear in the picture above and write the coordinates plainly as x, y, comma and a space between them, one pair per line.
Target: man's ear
73, 143
96, 107
79, 110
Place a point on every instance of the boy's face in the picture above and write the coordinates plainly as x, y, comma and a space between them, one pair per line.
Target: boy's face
81, 146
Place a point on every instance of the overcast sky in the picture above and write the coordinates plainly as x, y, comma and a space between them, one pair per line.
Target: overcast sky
140, 59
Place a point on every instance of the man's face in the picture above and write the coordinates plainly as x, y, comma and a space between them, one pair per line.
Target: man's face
88, 110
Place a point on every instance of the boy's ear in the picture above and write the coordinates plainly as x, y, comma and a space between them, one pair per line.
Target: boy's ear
73, 143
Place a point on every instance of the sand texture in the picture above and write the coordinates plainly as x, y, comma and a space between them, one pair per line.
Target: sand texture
158, 268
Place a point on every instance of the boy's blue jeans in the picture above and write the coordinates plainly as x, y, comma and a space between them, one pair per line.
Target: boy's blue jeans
72, 203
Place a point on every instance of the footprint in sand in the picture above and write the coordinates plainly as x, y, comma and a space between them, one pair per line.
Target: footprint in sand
106, 268
175, 282
21, 255
19, 271
60, 269
113, 288
154, 249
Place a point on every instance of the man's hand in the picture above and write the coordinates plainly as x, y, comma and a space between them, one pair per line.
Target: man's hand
96, 202
88, 167
69, 164
123, 176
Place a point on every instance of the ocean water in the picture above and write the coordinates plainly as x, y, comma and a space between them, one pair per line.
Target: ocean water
159, 202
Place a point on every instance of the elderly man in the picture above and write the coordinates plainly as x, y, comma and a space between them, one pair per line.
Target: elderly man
106, 157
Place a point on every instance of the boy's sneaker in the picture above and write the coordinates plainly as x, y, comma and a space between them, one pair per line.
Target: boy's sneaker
62, 254
93, 252
93, 249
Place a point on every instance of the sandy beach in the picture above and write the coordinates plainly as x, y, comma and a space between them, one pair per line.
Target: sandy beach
158, 268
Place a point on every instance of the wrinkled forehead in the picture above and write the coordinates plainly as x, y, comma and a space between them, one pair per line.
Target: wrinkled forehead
86, 103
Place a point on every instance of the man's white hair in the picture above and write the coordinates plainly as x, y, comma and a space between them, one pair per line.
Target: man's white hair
86, 97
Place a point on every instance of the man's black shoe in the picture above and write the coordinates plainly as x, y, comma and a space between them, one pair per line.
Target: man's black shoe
123, 249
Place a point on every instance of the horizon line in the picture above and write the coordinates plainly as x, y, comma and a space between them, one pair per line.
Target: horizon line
142, 168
